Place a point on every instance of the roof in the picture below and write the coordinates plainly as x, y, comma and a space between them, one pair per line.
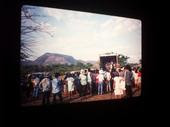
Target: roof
109, 54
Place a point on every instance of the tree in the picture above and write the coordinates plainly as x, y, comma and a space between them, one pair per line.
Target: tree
123, 60
29, 27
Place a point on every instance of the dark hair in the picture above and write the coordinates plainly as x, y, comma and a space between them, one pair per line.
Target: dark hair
128, 67
57, 75
113, 69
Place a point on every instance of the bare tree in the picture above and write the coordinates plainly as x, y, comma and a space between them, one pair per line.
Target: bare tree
29, 27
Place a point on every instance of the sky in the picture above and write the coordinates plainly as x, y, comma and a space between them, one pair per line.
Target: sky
86, 35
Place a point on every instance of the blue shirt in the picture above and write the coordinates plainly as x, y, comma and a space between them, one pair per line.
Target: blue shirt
56, 85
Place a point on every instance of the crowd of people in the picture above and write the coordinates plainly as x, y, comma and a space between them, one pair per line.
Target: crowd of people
118, 82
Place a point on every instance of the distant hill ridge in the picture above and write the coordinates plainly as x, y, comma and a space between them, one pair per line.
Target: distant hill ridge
55, 58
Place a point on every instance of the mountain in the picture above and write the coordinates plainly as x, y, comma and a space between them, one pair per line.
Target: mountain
55, 58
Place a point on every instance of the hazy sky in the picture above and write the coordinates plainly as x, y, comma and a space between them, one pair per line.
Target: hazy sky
86, 35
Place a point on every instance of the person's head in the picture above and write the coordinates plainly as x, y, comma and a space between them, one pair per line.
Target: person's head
128, 67
113, 69
97, 71
81, 71
100, 72
57, 75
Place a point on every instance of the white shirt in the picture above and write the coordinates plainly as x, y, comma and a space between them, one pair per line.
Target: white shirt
45, 84
70, 83
89, 77
83, 79
108, 76
100, 77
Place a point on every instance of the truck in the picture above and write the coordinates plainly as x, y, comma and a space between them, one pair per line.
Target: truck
108, 61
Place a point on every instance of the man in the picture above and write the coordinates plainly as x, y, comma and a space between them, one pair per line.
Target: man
36, 87
108, 78
128, 80
45, 85
78, 84
89, 81
57, 88
83, 81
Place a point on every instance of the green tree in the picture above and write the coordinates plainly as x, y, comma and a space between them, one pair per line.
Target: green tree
123, 60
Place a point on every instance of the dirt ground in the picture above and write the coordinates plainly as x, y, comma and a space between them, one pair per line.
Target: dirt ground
75, 98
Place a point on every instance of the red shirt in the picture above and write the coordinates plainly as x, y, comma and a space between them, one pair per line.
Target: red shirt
139, 74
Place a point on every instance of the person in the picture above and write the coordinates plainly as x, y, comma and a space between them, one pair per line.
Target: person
83, 81
94, 84
77, 84
89, 81
29, 86
100, 78
57, 88
114, 73
70, 84
36, 87
128, 81
122, 81
45, 86
108, 77
135, 76
119, 88
139, 75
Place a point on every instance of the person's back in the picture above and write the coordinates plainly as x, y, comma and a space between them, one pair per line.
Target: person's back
70, 80
117, 82
76, 81
36, 80
45, 84
83, 79
56, 85
100, 78
108, 76
128, 77
89, 79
